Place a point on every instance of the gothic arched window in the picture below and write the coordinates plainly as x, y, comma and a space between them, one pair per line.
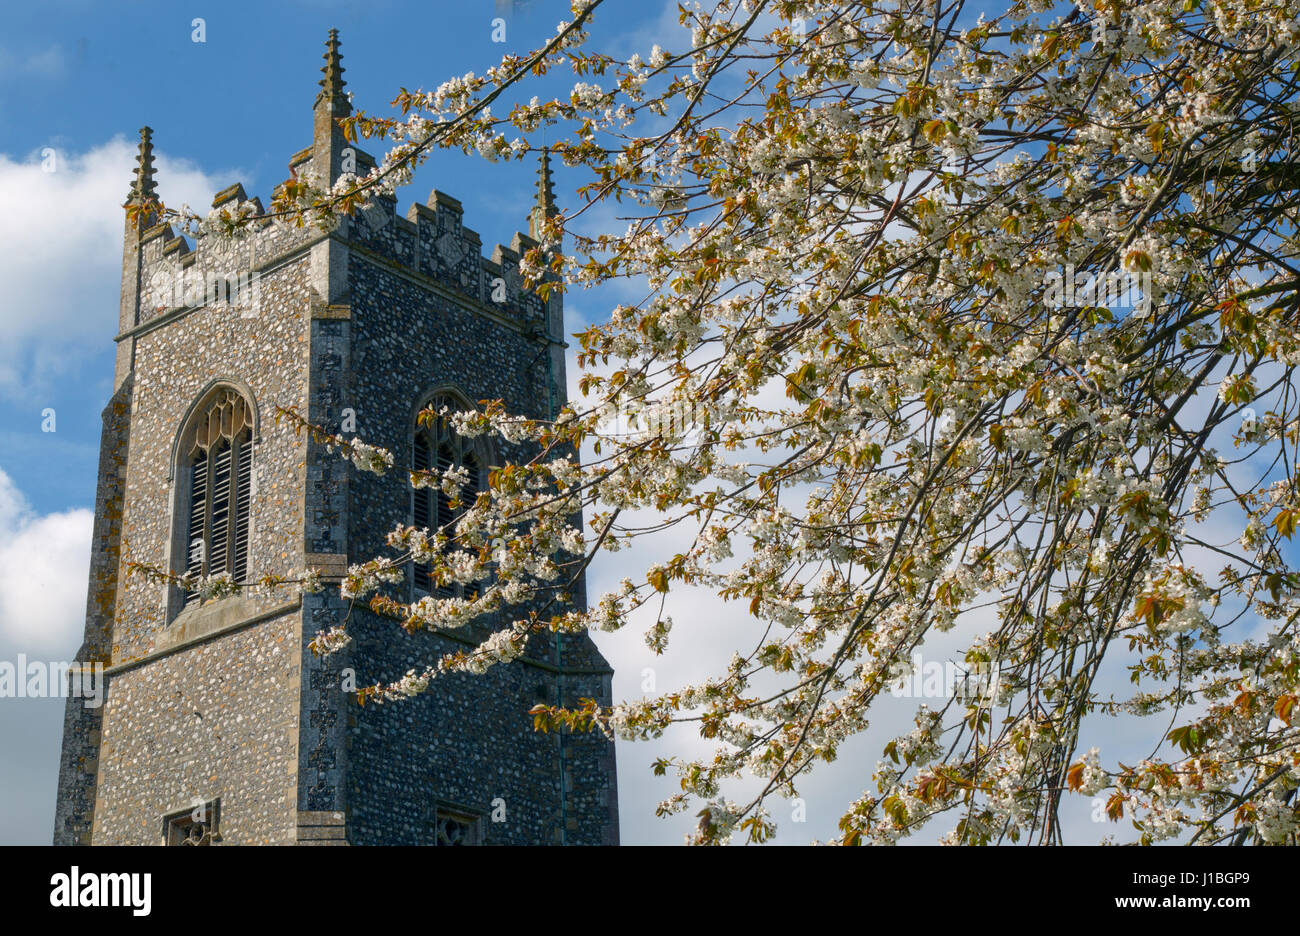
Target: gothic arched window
217, 468
438, 446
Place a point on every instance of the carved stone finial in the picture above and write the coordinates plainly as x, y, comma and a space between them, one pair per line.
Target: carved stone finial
143, 189
332, 84
545, 207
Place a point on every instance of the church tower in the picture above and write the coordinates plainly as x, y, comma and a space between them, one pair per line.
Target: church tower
219, 724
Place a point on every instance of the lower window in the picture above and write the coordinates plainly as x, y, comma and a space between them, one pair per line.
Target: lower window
456, 828
199, 825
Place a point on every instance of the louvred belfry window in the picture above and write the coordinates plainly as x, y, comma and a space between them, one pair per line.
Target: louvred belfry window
438, 446
219, 466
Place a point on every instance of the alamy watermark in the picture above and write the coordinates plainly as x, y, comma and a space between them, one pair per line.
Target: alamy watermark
948, 679
679, 420
1070, 289
197, 287
77, 888
36, 679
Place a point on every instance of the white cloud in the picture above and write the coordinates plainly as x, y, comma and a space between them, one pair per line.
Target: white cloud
44, 566
47, 63
61, 255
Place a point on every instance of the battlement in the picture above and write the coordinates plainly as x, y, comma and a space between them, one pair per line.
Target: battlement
430, 242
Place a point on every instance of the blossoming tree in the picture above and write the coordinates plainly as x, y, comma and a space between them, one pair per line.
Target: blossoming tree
873, 416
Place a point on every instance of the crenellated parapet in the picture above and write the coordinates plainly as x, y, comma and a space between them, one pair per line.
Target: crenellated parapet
179, 273
430, 241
